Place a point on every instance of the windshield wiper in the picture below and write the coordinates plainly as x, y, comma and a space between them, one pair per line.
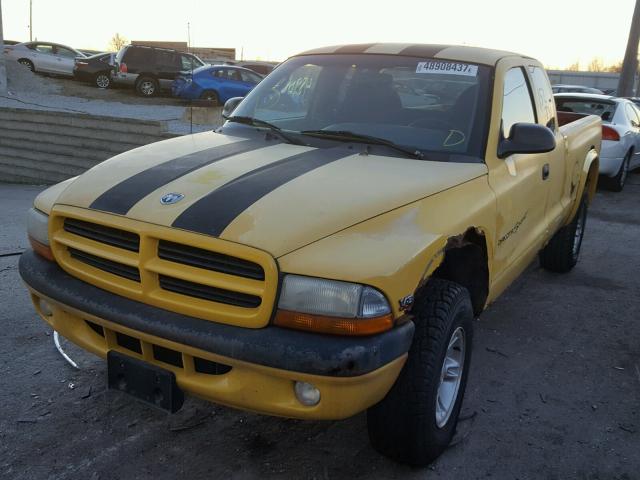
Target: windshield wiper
359, 137
256, 122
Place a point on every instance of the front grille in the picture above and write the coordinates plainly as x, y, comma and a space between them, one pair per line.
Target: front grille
111, 236
177, 270
206, 292
110, 266
217, 262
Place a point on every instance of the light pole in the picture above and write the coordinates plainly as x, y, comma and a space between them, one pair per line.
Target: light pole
630, 63
3, 70
31, 20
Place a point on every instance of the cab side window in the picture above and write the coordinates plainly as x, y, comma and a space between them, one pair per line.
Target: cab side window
632, 115
516, 101
250, 77
544, 97
65, 52
44, 48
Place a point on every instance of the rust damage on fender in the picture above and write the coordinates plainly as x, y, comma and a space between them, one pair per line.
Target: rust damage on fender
464, 260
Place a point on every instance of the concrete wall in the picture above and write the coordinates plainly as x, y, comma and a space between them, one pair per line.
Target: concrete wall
45, 147
601, 80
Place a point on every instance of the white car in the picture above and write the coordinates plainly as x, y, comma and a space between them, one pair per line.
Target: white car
620, 132
44, 57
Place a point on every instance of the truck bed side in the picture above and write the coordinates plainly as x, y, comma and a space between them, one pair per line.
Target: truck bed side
582, 136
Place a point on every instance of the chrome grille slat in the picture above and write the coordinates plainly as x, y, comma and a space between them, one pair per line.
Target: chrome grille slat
115, 268
206, 292
100, 233
205, 259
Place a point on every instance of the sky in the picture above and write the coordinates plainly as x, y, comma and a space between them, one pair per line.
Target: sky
556, 32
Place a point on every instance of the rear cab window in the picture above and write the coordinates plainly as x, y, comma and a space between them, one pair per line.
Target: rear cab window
544, 97
517, 106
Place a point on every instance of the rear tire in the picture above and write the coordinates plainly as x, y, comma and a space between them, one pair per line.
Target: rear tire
616, 184
561, 253
147, 86
211, 97
417, 419
102, 80
27, 63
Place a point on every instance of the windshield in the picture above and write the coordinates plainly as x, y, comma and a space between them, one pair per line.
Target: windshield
436, 106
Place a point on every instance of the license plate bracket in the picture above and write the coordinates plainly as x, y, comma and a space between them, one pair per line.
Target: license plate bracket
144, 381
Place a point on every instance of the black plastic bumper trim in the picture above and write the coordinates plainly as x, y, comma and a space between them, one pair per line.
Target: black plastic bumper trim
271, 346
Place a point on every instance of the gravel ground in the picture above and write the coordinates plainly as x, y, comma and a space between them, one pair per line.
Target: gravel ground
40, 92
553, 394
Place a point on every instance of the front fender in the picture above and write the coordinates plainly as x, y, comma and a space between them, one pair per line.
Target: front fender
397, 251
391, 252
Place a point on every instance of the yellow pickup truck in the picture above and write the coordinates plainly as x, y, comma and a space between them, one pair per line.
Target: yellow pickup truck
327, 249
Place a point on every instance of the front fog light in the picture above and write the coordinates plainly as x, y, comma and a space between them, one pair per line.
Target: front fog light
307, 394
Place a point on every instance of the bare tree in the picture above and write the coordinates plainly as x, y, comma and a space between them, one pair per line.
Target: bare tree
574, 67
614, 68
596, 65
117, 42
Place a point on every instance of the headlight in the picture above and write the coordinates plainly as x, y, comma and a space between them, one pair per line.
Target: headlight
332, 306
38, 232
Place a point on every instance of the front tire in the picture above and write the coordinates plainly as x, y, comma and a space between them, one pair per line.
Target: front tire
27, 63
211, 97
147, 86
561, 253
417, 419
616, 184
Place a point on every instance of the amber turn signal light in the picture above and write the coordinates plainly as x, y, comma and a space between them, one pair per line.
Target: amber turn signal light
41, 249
333, 325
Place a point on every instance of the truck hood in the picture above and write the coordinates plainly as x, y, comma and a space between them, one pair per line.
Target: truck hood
273, 196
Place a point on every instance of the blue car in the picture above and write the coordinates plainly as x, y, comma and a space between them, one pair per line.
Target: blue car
216, 83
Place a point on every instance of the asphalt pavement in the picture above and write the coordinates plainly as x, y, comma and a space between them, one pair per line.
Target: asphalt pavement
554, 391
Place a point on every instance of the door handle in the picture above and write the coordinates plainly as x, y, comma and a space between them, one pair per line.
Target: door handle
545, 171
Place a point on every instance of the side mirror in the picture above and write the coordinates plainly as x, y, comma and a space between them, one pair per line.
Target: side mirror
527, 138
230, 105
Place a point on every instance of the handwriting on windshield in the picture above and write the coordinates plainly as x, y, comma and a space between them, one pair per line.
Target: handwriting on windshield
455, 137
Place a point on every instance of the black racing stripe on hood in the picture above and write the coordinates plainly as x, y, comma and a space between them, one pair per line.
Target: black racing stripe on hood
426, 51
214, 212
358, 48
121, 197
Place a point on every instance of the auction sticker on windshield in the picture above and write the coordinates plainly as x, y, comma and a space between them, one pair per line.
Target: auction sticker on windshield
447, 68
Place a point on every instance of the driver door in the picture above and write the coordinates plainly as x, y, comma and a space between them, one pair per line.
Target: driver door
518, 181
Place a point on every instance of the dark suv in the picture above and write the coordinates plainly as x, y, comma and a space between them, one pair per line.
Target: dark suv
149, 69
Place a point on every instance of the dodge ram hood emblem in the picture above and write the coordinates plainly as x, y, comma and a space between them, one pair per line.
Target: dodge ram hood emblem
171, 198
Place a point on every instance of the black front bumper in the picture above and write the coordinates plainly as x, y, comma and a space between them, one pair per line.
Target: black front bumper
271, 346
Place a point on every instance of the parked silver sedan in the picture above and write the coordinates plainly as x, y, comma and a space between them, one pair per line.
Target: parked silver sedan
44, 57
620, 132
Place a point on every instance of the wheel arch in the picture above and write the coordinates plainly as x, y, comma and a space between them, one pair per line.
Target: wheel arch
25, 59
143, 75
465, 261
588, 182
